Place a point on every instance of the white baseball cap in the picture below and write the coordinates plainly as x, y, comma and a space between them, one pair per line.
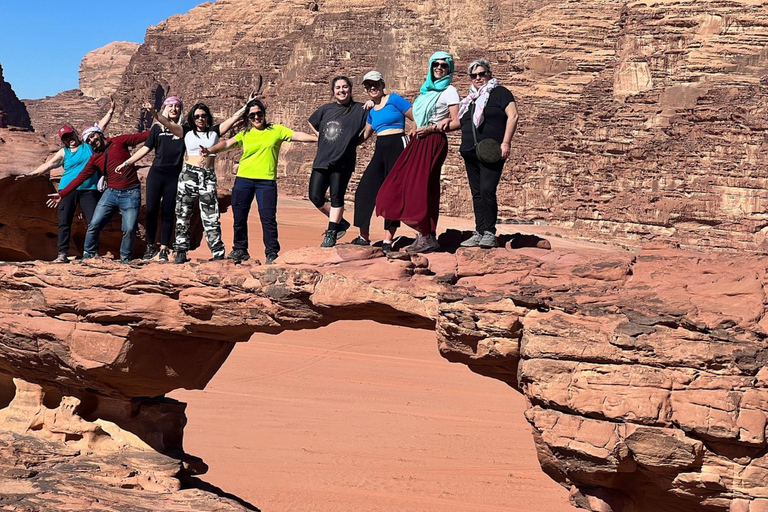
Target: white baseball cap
373, 76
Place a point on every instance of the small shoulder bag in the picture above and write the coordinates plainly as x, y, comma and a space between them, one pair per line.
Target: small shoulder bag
487, 150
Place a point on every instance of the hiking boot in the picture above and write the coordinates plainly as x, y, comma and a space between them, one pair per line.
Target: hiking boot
423, 244
387, 247
180, 257
473, 241
61, 258
149, 253
330, 238
217, 257
359, 241
239, 255
488, 241
271, 257
343, 227
163, 255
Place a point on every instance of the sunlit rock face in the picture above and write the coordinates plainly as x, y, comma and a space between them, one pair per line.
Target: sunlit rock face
12, 111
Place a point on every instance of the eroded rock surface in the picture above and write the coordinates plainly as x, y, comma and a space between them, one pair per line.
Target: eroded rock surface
101, 70
643, 371
12, 111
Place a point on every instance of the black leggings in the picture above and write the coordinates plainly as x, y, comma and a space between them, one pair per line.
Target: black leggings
483, 181
336, 178
161, 185
388, 149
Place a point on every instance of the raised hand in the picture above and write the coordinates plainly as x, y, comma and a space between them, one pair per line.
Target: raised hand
204, 151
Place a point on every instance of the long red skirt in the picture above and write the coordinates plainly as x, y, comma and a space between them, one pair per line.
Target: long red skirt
411, 192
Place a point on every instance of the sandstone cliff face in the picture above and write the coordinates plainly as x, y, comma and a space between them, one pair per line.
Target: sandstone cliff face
68, 107
640, 121
644, 394
101, 70
12, 111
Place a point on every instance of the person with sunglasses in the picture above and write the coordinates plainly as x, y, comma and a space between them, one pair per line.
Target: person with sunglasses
197, 180
256, 176
73, 156
387, 120
411, 192
338, 125
162, 180
123, 192
488, 112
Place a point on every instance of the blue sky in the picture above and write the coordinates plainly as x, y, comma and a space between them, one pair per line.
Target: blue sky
43, 42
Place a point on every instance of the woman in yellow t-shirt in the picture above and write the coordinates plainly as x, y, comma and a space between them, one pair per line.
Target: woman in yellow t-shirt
257, 176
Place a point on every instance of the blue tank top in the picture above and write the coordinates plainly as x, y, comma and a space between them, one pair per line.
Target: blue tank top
74, 163
391, 115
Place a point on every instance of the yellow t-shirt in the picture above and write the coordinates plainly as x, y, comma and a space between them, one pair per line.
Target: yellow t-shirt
260, 151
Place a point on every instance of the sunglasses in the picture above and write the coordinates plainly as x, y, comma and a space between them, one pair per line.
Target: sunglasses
441, 65
201, 116
256, 115
368, 86
481, 74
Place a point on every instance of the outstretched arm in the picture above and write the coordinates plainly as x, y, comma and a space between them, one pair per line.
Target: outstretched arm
223, 145
108, 116
230, 122
175, 128
141, 153
55, 161
303, 137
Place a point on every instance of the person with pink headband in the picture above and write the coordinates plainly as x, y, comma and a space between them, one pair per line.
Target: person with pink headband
162, 180
72, 157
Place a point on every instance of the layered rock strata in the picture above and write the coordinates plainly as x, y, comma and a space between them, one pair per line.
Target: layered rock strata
101, 70
643, 371
639, 121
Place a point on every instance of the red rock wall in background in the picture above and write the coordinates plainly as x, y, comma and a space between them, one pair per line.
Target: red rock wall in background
102, 69
12, 111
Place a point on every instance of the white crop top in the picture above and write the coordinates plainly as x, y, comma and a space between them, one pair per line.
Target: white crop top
193, 140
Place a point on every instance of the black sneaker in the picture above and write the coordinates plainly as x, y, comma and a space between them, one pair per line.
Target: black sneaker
149, 253
163, 255
359, 241
343, 227
217, 257
329, 240
387, 248
239, 255
180, 257
271, 257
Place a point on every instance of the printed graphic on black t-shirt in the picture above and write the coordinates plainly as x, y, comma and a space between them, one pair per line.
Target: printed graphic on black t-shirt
339, 127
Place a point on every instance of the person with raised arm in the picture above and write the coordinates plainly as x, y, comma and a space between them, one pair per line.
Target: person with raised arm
162, 180
257, 176
411, 192
123, 192
387, 120
197, 180
338, 125
72, 157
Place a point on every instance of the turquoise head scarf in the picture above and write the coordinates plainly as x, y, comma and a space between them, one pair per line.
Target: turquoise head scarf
424, 105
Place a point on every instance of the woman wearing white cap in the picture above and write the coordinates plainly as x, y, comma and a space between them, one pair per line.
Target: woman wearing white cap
73, 156
387, 120
162, 180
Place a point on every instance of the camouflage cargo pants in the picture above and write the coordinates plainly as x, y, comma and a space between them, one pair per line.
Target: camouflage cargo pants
197, 182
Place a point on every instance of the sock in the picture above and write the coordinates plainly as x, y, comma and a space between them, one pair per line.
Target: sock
333, 226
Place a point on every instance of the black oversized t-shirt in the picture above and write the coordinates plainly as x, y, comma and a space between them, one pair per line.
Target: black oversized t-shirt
494, 119
169, 149
339, 127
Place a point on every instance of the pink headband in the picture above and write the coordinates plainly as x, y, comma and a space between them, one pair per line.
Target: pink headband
173, 100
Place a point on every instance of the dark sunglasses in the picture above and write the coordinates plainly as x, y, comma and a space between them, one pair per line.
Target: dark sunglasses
201, 116
256, 115
481, 74
369, 85
441, 65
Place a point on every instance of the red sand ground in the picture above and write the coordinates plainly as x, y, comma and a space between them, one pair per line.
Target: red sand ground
361, 417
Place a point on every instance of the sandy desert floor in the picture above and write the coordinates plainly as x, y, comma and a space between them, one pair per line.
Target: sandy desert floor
362, 417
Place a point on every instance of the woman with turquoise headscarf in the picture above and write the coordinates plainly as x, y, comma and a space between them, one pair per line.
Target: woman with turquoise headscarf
411, 192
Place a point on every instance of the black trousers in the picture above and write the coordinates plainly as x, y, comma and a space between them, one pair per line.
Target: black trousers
388, 149
161, 199
335, 178
265, 191
87, 199
483, 181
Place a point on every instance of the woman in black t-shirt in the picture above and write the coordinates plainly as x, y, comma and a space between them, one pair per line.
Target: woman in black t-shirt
338, 125
491, 108
162, 179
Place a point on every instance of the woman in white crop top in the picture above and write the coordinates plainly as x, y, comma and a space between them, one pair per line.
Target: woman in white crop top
198, 179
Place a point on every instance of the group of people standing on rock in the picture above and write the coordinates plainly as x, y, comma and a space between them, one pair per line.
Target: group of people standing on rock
402, 181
